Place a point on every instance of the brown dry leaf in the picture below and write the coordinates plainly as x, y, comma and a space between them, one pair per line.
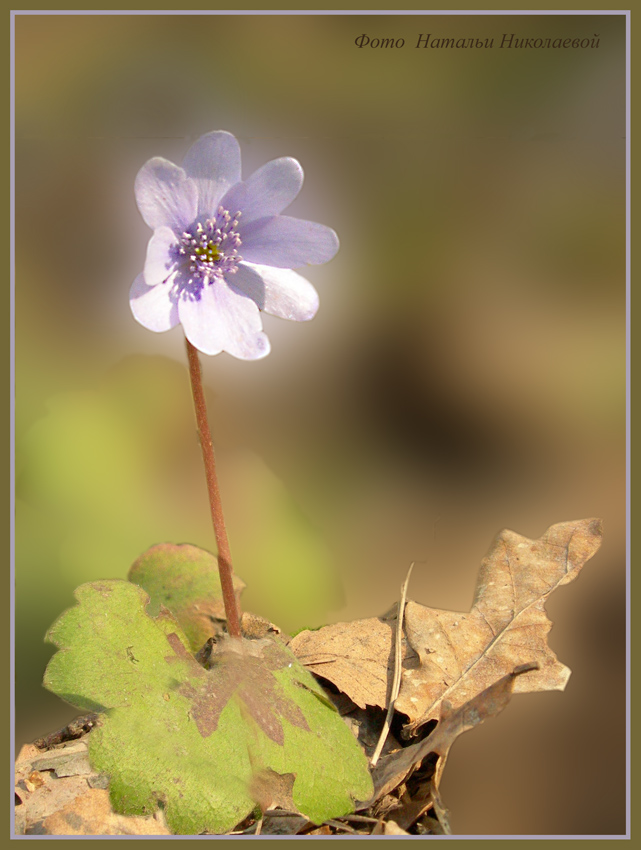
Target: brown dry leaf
273, 790
255, 627
389, 827
454, 656
357, 657
91, 814
279, 823
418, 797
395, 768
462, 654
321, 830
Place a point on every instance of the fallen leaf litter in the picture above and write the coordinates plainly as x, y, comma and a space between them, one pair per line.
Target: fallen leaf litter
457, 670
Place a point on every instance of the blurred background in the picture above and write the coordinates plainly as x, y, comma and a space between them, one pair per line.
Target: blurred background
465, 372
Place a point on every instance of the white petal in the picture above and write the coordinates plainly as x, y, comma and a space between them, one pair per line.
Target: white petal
160, 262
165, 196
152, 305
281, 292
286, 242
213, 162
268, 191
224, 320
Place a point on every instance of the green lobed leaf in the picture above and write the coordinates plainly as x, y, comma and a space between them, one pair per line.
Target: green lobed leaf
206, 745
185, 579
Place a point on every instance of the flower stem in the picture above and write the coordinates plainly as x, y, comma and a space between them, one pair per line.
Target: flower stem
224, 555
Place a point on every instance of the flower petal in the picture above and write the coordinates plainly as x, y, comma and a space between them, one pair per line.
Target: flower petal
268, 191
287, 242
160, 263
222, 319
214, 164
165, 196
152, 306
281, 292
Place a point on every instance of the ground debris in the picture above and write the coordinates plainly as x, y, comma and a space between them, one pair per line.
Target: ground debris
58, 793
76, 729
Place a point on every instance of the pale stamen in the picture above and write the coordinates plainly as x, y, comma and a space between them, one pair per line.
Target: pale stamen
210, 248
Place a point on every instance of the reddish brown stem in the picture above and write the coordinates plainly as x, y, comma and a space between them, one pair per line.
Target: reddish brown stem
224, 555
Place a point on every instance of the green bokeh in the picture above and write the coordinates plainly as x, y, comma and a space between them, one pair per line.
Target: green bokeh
114, 470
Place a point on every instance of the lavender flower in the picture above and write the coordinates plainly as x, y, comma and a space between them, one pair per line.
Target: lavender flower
221, 251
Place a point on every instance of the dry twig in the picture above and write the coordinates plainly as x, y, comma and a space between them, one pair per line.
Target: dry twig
396, 683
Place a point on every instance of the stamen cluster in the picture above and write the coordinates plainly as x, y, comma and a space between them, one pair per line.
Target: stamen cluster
211, 247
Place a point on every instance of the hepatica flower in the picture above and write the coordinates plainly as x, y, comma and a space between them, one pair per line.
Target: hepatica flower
221, 251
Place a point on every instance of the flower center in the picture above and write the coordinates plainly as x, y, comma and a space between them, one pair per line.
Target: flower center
209, 254
210, 247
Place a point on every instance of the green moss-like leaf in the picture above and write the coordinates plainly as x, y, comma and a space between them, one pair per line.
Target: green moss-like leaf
204, 744
185, 580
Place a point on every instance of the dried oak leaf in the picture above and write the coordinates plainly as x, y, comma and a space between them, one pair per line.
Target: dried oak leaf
462, 654
454, 656
393, 769
192, 740
357, 657
400, 768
